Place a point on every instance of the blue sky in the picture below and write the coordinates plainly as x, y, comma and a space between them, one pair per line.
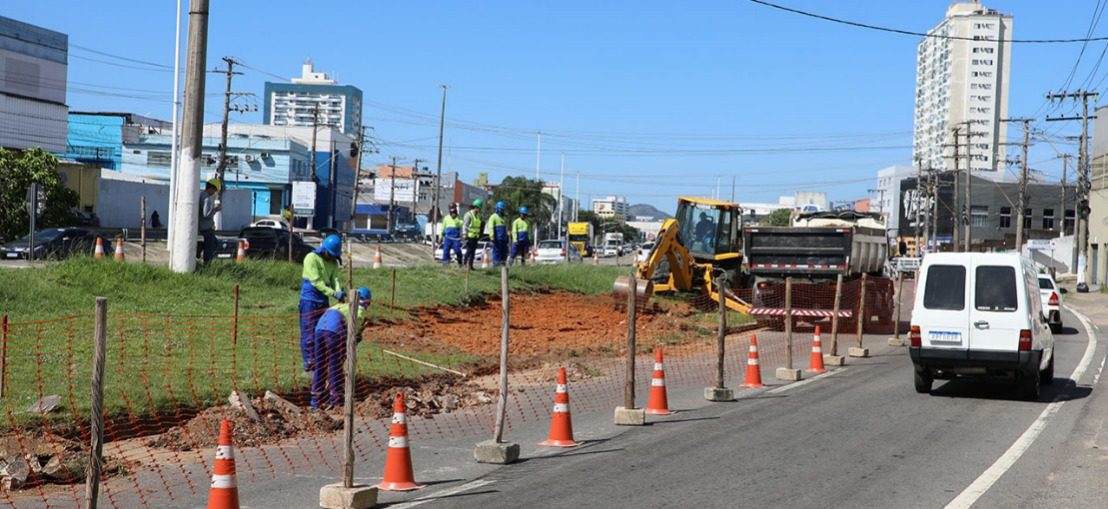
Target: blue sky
646, 99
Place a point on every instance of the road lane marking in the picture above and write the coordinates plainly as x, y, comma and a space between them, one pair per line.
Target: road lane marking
444, 493
794, 385
990, 476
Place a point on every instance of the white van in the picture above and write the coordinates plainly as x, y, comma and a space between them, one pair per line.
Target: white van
979, 314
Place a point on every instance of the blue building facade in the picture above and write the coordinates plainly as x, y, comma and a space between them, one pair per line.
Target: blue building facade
97, 138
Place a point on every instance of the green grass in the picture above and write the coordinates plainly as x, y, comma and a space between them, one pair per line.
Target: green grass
173, 342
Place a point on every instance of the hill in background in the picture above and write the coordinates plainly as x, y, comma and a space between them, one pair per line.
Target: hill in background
644, 210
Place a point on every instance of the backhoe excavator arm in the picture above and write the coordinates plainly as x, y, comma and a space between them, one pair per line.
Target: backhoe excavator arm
668, 247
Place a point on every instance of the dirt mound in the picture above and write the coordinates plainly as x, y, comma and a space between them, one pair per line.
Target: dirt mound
277, 422
36, 459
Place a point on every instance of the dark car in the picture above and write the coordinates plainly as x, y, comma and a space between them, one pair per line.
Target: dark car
53, 243
270, 243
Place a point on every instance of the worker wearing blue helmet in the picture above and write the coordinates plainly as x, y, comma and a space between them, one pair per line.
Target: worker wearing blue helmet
320, 283
497, 230
329, 349
521, 237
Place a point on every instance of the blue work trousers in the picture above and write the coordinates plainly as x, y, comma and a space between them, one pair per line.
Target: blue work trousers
310, 311
522, 249
452, 246
327, 377
209, 244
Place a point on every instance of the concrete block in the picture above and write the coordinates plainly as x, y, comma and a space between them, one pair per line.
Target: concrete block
334, 496
833, 360
896, 342
630, 416
791, 375
500, 453
718, 394
858, 352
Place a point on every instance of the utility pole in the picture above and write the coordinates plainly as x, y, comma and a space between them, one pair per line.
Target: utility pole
221, 166
438, 172
315, 129
332, 180
1022, 198
919, 204
359, 145
1083, 184
1062, 225
174, 159
392, 195
415, 187
577, 197
183, 250
561, 194
538, 155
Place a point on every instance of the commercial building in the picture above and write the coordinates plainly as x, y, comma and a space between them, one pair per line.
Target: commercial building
313, 99
610, 207
34, 65
97, 138
888, 193
962, 73
1098, 200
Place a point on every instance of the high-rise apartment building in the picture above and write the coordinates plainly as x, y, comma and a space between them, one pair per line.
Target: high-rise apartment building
961, 81
295, 103
611, 207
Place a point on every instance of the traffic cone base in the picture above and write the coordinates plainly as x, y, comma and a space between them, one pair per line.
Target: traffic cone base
377, 258
658, 403
224, 493
815, 364
398, 458
561, 423
753, 377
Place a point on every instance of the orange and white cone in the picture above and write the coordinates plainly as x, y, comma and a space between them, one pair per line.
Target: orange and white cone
398, 458
657, 403
534, 254
595, 259
485, 258
753, 379
240, 254
561, 425
98, 253
815, 365
119, 257
377, 258
224, 493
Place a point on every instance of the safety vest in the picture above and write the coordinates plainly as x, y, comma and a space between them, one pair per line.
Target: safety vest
320, 278
452, 227
474, 230
519, 230
496, 228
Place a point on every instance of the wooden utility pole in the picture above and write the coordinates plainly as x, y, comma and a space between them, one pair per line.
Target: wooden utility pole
1062, 214
437, 212
1022, 198
359, 145
1083, 183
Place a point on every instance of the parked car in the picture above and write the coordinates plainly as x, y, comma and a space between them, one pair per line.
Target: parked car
477, 257
556, 251
272, 222
1051, 295
644, 252
980, 314
266, 242
52, 243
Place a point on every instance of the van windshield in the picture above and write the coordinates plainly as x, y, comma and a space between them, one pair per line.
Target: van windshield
996, 289
945, 288
1045, 284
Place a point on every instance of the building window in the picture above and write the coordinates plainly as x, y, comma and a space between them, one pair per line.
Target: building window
158, 158
1005, 217
979, 215
1048, 219
1026, 219
1068, 222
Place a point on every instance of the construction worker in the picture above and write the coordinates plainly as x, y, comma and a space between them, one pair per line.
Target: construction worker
452, 235
320, 282
330, 349
471, 227
521, 237
206, 224
497, 230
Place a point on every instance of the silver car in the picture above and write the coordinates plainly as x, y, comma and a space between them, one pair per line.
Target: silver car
555, 251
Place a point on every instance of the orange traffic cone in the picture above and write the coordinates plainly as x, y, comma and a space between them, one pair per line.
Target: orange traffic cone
225, 492
485, 258
561, 425
534, 254
240, 254
753, 378
595, 259
815, 365
657, 403
98, 253
398, 459
119, 250
377, 258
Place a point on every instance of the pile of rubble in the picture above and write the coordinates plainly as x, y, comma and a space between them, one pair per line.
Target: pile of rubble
433, 397
33, 460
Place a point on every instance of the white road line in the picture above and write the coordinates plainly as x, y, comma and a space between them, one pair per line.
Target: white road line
445, 493
991, 475
794, 385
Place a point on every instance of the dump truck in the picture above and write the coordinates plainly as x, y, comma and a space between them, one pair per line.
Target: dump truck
581, 236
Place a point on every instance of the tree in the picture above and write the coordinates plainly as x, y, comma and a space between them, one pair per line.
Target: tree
779, 217
17, 172
518, 192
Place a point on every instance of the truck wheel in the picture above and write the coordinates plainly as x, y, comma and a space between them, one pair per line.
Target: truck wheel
1030, 385
1046, 377
923, 380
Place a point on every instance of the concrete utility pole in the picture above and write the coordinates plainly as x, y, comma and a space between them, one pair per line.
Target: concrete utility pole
1083, 184
392, 196
538, 155
183, 251
359, 145
437, 213
415, 185
1022, 198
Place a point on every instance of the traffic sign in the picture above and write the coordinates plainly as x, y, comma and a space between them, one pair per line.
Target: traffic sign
36, 199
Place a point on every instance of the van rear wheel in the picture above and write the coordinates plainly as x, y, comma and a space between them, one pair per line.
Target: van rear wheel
923, 381
1030, 385
1046, 377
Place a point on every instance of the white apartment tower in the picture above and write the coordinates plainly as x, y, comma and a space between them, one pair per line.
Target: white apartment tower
962, 76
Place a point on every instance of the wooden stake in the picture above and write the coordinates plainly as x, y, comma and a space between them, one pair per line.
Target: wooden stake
722, 335
505, 314
96, 419
789, 323
629, 388
835, 315
861, 310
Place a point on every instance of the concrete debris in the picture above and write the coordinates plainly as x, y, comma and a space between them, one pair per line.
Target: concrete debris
239, 402
46, 404
286, 407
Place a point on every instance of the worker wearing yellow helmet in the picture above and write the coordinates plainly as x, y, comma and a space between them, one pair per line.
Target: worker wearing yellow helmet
206, 223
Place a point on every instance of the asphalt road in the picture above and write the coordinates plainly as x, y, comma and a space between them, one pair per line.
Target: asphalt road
860, 437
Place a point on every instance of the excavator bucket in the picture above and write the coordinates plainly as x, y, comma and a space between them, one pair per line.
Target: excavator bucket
621, 291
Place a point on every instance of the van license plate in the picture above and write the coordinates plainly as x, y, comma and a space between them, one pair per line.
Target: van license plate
945, 337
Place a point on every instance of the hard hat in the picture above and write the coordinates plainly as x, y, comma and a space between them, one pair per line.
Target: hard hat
478, 203
215, 183
500, 205
364, 294
523, 210
332, 245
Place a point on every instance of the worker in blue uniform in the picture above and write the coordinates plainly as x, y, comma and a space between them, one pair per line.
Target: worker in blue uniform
330, 349
452, 235
319, 283
497, 230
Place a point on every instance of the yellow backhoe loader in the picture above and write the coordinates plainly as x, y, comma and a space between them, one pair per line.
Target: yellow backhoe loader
699, 245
